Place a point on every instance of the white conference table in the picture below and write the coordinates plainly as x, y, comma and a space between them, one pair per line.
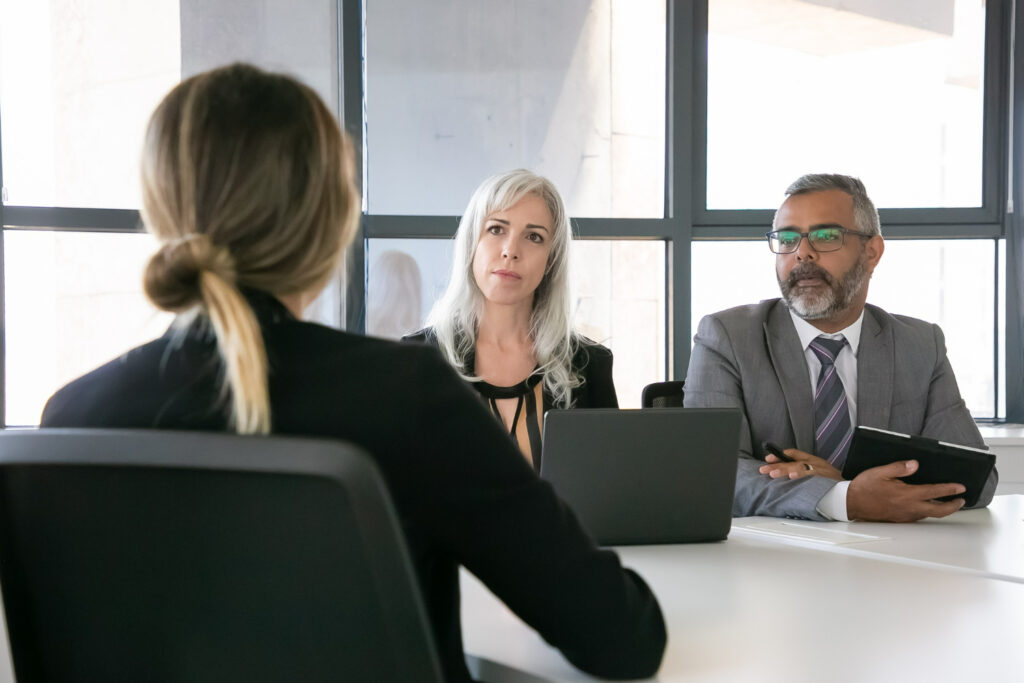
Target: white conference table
988, 542
767, 608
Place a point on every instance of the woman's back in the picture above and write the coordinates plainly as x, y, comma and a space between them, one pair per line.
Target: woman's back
464, 494
248, 186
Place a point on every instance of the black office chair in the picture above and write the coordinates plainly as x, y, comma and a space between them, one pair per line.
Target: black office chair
183, 556
662, 395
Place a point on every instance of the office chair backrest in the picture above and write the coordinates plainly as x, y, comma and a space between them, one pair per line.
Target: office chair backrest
177, 556
663, 395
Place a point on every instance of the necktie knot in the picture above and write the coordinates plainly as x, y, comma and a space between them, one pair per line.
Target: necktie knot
827, 349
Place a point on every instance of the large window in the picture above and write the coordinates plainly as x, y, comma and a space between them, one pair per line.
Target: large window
73, 301
905, 95
74, 107
891, 92
457, 91
78, 82
572, 90
671, 129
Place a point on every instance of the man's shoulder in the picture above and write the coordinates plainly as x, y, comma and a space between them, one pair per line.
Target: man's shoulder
747, 316
904, 327
741, 332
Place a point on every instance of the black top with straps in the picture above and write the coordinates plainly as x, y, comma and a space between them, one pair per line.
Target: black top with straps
591, 361
526, 394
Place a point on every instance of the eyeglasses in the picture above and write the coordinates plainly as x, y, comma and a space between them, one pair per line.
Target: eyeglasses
820, 239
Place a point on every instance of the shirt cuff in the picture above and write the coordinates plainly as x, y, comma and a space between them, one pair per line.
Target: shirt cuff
833, 503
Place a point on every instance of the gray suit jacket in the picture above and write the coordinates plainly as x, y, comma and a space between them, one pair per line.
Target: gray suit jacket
749, 357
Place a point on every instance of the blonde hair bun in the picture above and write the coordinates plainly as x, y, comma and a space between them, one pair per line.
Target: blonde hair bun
174, 275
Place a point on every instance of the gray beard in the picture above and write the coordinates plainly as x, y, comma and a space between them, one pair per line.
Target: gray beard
825, 304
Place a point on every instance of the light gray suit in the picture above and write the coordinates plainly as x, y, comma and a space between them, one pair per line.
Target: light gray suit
750, 357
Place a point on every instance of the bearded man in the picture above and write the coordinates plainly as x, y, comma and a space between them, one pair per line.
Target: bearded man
807, 368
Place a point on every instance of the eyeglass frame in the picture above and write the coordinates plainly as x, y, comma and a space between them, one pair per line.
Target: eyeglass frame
806, 236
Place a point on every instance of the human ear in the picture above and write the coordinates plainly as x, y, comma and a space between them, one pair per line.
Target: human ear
873, 250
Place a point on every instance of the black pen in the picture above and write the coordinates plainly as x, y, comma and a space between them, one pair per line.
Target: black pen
769, 447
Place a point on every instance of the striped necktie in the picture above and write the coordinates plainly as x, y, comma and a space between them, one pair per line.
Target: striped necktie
833, 429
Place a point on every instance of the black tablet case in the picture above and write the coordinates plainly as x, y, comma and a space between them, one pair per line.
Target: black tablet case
939, 463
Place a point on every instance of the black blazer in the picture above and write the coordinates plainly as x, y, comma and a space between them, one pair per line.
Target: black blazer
591, 361
464, 494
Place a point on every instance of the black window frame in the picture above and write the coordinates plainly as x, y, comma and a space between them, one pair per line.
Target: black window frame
685, 220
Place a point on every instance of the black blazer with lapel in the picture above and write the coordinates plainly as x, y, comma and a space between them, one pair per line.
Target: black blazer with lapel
463, 492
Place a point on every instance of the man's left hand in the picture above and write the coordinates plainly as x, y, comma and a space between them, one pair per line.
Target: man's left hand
803, 465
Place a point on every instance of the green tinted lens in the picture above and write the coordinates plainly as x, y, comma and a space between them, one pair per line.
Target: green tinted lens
826, 238
787, 240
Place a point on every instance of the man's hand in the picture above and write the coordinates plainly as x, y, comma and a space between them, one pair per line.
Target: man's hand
804, 465
878, 495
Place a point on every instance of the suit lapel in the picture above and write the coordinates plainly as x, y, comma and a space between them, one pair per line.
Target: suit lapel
875, 367
791, 369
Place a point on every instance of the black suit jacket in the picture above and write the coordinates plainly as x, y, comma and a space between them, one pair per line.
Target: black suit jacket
464, 494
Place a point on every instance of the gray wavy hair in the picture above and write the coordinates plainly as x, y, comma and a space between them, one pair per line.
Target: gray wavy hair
865, 214
455, 317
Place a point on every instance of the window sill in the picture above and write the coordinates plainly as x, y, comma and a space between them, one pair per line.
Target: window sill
1007, 442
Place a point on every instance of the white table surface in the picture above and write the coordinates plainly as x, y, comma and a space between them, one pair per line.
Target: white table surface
756, 609
936, 601
989, 542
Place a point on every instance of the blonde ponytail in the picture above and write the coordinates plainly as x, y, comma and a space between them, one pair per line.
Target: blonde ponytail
241, 347
191, 271
248, 183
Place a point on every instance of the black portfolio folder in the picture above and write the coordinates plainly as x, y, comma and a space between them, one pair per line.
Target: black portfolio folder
939, 462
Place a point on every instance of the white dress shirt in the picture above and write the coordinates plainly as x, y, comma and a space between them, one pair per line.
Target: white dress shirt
833, 503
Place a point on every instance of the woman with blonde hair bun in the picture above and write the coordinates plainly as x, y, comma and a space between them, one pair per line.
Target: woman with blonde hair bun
248, 186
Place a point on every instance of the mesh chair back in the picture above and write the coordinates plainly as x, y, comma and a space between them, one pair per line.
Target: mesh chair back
663, 395
184, 556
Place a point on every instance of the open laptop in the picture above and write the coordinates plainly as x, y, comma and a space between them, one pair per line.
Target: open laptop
660, 475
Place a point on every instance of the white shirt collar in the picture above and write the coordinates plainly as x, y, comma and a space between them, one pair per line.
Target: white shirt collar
808, 332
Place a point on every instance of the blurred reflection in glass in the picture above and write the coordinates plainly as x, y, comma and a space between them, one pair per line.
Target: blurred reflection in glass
395, 296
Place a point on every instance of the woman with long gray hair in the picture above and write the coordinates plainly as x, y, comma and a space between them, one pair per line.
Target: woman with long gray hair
505, 323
